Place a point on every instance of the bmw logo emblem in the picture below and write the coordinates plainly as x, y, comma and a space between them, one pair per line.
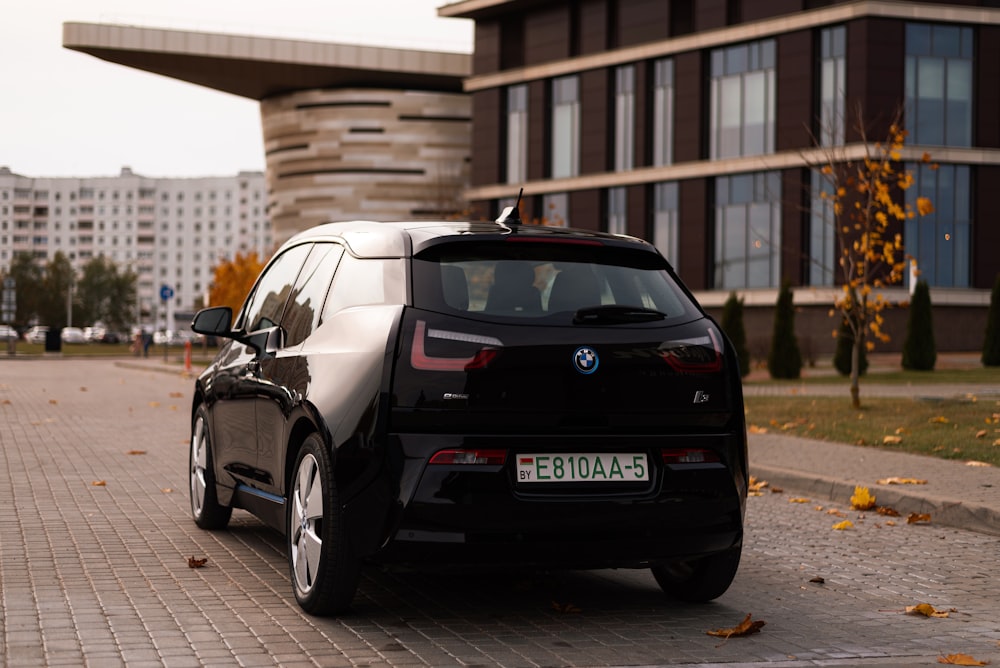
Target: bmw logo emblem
585, 360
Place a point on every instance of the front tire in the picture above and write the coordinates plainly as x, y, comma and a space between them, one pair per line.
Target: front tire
700, 580
206, 510
324, 571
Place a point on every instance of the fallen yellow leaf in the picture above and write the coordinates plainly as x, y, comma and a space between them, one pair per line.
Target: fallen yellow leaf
887, 511
54, 402
940, 419
154, 404
841, 526
914, 518
892, 440
136, 452
975, 463
98, 483
900, 481
862, 499
981, 433
798, 499
835, 512
744, 628
196, 563
925, 609
961, 660
754, 429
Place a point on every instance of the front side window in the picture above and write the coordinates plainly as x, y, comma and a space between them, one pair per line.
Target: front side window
941, 241
624, 118
268, 301
665, 222
517, 133
565, 127
833, 84
663, 112
742, 100
939, 84
748, 231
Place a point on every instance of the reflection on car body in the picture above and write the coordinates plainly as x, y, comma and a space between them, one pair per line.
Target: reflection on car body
469, 393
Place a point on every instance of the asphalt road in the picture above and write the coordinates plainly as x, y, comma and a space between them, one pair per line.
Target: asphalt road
95, 538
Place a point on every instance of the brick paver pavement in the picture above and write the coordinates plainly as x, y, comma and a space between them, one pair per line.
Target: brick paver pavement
97, 574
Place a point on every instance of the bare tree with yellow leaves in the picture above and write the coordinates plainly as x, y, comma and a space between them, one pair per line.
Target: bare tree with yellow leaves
865, 188
233, 280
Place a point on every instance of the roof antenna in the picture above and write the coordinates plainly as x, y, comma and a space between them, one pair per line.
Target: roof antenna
511, 215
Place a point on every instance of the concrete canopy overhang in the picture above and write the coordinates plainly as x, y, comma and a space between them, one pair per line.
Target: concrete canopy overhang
260, 67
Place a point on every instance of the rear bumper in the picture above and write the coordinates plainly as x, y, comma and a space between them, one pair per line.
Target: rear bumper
480, 514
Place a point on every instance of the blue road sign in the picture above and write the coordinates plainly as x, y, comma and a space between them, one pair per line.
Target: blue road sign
166, 292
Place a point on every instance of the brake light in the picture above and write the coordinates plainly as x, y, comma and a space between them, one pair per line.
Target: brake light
419, 358
545, 240
699, 355
462, 456
689, 456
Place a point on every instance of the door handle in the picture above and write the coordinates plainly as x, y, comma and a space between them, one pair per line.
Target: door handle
253, 366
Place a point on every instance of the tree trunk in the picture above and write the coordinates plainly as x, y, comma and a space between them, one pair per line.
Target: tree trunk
856, 370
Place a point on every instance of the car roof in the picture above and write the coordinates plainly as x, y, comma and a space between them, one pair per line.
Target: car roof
371, 239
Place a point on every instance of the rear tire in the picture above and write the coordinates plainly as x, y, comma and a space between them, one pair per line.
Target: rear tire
699, 580
206, 510
324, 570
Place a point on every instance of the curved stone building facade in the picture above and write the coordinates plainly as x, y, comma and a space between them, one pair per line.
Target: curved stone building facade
350, 132
377, 154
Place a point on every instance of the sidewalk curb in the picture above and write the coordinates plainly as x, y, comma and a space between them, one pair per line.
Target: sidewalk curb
943, 511
159, 368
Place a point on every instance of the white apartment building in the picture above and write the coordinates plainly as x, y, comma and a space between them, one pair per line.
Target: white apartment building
170, 231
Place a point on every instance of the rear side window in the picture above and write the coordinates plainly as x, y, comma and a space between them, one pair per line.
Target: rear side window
361, 282
543, 280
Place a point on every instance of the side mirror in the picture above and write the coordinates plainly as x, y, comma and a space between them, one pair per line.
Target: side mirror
215, 321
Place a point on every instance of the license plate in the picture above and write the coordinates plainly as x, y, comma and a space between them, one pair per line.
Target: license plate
582, 467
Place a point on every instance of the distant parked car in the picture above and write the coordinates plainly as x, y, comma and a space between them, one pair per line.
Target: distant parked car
7, 333
36, 334
73, 335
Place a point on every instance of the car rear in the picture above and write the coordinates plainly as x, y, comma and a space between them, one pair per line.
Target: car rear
561, 399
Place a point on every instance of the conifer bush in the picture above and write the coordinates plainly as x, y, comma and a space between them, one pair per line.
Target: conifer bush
919, 350
732, 325
785, 359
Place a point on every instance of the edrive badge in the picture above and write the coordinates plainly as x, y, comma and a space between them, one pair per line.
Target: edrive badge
585, 360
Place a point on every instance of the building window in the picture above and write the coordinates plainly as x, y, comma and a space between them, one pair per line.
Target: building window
748, 231
624, 118
942, 240
742, 100
517, 133
617, 211
556, 210
663, 112
822, 222
565, 127
833, 84
665, 221
939, 84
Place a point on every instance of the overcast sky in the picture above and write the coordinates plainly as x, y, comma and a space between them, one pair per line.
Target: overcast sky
65, 113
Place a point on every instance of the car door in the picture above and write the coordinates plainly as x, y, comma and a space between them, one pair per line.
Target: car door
242, 377
284, 377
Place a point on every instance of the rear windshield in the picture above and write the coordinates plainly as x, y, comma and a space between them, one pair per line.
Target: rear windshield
544, 280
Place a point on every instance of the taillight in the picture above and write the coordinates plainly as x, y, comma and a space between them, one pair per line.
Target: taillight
463, 456
420, 359
689, 456
699, 355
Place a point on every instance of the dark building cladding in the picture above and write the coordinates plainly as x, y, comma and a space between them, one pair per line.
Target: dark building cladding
689, 123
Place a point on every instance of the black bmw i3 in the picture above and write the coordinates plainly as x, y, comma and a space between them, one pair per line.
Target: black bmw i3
473, 393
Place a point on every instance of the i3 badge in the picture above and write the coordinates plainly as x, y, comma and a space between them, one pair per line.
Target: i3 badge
585, 360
